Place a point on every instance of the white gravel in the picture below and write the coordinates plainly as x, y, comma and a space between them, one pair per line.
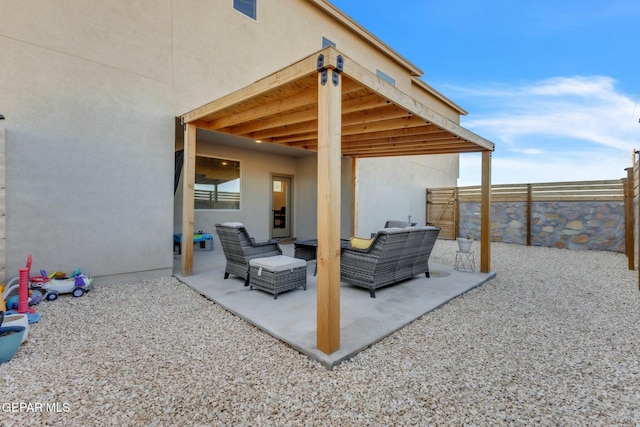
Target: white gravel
553, 340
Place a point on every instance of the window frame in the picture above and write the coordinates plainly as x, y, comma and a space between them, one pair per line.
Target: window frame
326, 42
386, 77
243, 5
221, 209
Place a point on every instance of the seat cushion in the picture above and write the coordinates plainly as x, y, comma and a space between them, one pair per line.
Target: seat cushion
232, 224
277, 263
360, 242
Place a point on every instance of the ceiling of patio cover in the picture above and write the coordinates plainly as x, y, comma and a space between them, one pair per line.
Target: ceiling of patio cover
378, 119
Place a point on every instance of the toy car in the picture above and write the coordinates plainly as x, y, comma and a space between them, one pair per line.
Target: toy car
77, 285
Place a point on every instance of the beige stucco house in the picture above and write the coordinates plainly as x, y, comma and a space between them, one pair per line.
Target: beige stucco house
93, 93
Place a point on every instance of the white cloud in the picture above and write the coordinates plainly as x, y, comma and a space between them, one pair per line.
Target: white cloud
531, 151
577, 108
558, 129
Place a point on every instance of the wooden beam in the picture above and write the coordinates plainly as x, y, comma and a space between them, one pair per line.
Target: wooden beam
328, 260
386, 112
413, 153
371, 100
433, 146
396, 133
405, 141
188, 184
309, 127
357, 72
389, 150
485, 214
301, 99
400, 123
307, 113
279, 121
409, 139
300, 69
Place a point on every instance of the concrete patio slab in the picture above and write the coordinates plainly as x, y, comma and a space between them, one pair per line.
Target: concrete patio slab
292, 317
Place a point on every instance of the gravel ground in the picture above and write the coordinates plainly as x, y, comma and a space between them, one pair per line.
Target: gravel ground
553, 340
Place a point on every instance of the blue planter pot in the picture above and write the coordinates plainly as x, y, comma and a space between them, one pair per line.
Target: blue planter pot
10, 340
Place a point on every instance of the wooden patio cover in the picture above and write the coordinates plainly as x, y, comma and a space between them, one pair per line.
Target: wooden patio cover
330, 104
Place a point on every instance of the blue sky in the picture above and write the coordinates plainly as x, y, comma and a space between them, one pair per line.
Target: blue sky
554, 84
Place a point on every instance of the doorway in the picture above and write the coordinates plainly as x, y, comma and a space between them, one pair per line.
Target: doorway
280, 206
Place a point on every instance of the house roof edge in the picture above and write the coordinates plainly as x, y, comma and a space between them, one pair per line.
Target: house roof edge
365, 34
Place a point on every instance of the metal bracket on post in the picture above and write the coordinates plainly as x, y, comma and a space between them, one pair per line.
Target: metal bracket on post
184, 125
335, 78
323, 77
324, 70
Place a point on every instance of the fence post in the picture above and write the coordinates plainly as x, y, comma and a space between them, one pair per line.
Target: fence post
629, 241
529, 212
456, 212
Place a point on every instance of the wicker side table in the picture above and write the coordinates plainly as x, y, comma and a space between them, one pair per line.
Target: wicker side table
277, 274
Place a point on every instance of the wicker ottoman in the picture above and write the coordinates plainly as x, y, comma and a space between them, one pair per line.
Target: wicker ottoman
277, 274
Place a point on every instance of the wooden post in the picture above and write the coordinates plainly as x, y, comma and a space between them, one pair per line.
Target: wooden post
529, 212
329, 174
456, 213
629, 249
485, 214
354, 199
188, 184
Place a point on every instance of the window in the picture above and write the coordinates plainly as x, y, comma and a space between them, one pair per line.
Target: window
248, 7
387, 78
326, 43
217, 184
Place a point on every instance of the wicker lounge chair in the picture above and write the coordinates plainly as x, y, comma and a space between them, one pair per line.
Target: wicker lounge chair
239, 248
394, 255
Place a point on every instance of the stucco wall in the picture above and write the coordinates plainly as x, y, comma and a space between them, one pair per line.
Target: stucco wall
307, 198
204, 35
91, 89
395, 188
89, 126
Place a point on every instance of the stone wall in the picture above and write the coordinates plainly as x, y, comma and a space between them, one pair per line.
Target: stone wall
570, 225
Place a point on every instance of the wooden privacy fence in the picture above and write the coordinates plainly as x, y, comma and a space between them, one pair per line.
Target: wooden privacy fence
542, 214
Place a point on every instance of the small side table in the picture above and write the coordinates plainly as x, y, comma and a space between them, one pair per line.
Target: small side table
465, 261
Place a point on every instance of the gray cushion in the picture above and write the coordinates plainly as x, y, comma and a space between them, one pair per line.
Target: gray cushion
278, 263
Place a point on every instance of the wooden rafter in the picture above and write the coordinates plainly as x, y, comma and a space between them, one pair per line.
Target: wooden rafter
377, 118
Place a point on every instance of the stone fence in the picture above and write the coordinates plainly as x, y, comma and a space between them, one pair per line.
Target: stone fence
596, 225
568, 215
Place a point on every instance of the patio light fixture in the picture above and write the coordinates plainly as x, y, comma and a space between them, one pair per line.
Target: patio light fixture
1, 117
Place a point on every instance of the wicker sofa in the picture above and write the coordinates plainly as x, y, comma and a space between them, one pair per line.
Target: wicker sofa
395, 254
239, 248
